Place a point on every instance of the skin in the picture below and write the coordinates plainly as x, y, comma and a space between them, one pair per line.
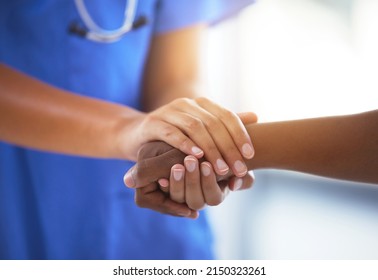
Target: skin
341, 147
37, 115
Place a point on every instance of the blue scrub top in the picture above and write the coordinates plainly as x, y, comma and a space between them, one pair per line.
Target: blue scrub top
64, 207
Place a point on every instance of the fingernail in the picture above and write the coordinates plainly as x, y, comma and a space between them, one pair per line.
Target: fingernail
177, 174
240, 168
205, 169
190, 165
197, 151
238, 184
247, 150
163, 182
222, 166
128, 179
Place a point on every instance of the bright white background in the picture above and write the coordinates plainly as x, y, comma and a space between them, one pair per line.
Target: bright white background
290, 59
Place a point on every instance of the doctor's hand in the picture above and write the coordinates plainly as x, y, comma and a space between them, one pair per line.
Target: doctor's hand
197, 127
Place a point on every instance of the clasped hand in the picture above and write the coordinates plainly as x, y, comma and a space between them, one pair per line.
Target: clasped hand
169, 181
192, 183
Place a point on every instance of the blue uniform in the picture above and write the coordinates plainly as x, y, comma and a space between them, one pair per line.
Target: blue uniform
65, 207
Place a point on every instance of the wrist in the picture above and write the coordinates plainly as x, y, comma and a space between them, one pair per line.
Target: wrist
124, 143
264, 143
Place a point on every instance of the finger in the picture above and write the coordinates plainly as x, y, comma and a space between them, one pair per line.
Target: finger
226, 146
233, 124
129, 178
246, 182
152, 198
157, 128
248, 117
223, 140
155, 160
193, 192
177, 183
213, 194
164, 185
191, 121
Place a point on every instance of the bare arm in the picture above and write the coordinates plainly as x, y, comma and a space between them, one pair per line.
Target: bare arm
37, 115
172, 68
343, 147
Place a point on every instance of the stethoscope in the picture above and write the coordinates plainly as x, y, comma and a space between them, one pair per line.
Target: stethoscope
94, 32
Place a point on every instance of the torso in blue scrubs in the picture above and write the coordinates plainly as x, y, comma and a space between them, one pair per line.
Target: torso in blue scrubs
63, 207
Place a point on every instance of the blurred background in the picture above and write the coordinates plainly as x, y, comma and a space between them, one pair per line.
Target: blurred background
291, 59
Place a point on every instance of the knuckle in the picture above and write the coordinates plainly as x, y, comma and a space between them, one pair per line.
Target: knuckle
227, 115
201, 99
144, 200
185, 144
140, 202
182, 101
212, 123
194, 124
167, 131
151, 118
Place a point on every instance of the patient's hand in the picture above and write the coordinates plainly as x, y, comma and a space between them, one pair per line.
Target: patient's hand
157, 160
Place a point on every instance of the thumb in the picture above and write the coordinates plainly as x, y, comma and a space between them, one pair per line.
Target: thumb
155, 160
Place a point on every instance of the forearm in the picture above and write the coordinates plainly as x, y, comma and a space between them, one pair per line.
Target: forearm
344, 147
36, 115
172, 69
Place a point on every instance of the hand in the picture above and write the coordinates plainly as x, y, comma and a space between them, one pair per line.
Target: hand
200, 128
196, 184
155, 160
153, 198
